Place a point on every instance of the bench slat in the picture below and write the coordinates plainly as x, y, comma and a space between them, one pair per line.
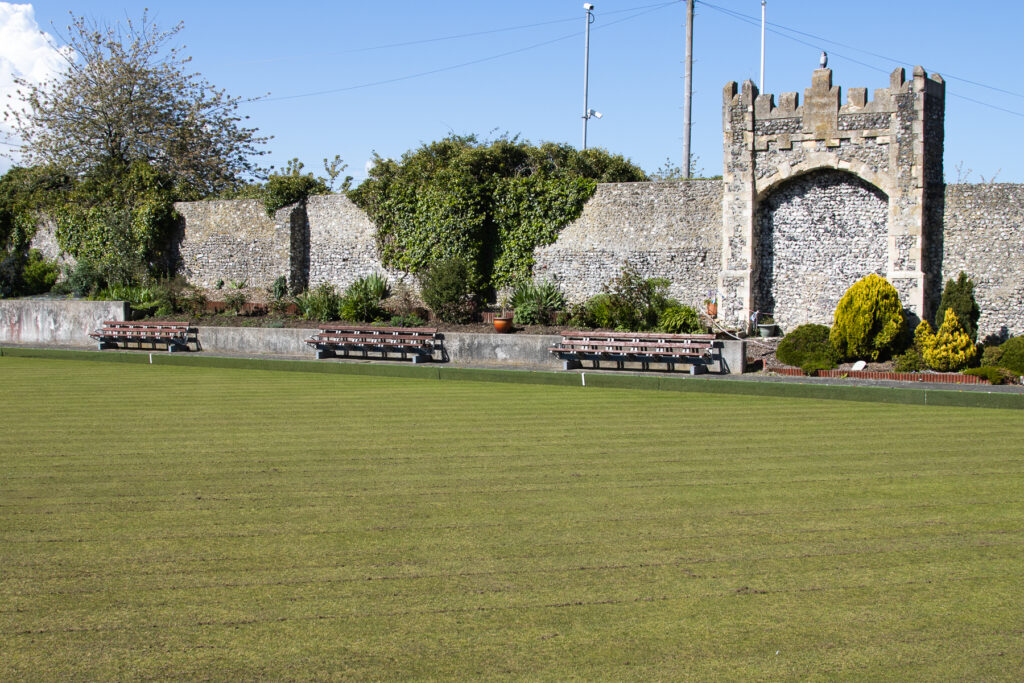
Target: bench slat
642, 347
416, 340
174, 334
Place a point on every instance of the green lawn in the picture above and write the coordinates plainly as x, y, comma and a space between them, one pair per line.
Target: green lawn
182, 522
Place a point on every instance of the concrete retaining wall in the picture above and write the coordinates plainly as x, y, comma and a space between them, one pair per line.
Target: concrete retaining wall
460, 348
68, 323
55, 321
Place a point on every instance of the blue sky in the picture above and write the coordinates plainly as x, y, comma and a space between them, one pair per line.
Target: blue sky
351, 78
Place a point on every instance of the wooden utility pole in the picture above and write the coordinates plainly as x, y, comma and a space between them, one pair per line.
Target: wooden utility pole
687, 88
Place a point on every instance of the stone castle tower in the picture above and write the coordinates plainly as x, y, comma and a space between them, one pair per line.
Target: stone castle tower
817, 195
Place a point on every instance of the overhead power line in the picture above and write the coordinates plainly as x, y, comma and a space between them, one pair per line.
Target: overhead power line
637, 11
455, 36
784, 32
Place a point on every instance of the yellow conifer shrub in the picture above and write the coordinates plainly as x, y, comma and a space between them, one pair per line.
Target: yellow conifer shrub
868, 320
948, 350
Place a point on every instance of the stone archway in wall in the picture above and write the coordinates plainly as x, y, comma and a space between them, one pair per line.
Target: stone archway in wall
816, 234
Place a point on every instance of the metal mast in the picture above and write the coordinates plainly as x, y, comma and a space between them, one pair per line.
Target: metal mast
687, 88
586, 69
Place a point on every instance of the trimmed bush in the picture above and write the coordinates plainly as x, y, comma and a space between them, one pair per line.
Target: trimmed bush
680, 320
817, 362
868, 320
958, 297
993, 375
948, 350
450, 288
910, 361
804, 343
1013, 355
992, 355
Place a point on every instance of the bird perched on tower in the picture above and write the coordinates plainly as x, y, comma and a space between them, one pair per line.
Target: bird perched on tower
824, 59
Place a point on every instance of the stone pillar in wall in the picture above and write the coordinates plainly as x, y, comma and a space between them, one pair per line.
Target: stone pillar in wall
735, 281
893, 141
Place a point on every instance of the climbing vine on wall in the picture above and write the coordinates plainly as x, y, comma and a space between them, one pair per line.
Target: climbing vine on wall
118, 220
530, 212
489, 203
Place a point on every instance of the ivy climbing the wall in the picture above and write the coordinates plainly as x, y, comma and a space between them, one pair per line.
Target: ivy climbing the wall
487, 203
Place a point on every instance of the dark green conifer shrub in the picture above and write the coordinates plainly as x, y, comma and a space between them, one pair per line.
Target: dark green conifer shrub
992, 355
958, 296
1013, 355
805, 343
450, 288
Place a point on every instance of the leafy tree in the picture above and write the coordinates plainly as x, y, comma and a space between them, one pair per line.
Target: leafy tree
672, 171
334, 169
488, 204
126, 96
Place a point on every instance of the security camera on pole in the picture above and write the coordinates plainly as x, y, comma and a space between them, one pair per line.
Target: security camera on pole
587, 111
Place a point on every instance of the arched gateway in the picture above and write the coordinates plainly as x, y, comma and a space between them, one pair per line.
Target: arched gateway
815, 234
827, 193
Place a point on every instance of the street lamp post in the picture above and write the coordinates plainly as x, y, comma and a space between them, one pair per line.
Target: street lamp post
587, 112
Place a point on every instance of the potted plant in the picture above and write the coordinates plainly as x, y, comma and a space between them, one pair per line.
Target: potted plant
503, 318
711, 303
766, 326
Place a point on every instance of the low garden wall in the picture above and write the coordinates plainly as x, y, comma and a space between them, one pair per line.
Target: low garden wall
68, 323
460, 348
55, 321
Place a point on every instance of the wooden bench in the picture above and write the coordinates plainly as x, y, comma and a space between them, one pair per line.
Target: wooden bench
696, 350
418, 342
119, 333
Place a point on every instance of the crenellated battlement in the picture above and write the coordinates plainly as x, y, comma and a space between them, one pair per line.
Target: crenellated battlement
857, 101
821, 107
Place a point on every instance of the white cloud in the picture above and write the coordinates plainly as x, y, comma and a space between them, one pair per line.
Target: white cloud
24, 52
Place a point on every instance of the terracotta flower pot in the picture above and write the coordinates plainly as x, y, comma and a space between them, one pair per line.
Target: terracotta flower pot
503, 324
713, 310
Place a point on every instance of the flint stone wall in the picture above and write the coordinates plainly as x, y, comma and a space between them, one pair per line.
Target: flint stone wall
984, 237
342, 243
817, 234
668, 229
236, 240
